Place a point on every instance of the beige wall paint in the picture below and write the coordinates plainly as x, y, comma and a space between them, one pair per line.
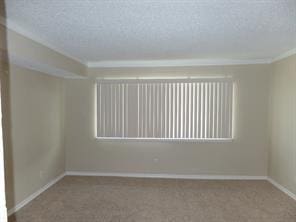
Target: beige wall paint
33, 128
282, 161
246, 155
33, 114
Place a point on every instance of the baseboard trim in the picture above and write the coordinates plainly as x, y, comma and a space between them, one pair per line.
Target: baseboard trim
282, 188
34, 195
166, 176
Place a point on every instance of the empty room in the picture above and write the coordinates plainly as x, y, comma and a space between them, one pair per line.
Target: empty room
148, 111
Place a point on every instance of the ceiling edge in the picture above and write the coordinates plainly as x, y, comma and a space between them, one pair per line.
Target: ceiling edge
42, 68
285, 55
16, 28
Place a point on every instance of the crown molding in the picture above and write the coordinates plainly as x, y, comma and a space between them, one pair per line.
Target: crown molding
174, 63
285, 55
42, 68
19, 30
186, 62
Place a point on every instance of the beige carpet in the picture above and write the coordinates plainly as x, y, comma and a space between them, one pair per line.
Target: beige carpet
106, 199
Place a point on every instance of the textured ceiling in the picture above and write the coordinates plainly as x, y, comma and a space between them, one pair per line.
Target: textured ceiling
160, 29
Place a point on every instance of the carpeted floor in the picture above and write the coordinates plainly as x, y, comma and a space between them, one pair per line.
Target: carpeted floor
114, 199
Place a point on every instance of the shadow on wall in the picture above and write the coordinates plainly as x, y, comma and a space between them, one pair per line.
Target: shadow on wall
6, 121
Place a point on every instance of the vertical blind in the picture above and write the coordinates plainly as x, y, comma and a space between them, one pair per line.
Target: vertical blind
168, 109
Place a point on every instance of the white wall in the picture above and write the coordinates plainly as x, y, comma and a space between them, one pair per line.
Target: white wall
3, 209
246, 155
282, 161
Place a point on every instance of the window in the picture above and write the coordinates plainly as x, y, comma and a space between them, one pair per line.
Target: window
165, 109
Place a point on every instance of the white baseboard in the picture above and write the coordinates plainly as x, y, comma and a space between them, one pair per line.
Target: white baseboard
282, 188
167, 176
34, 195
